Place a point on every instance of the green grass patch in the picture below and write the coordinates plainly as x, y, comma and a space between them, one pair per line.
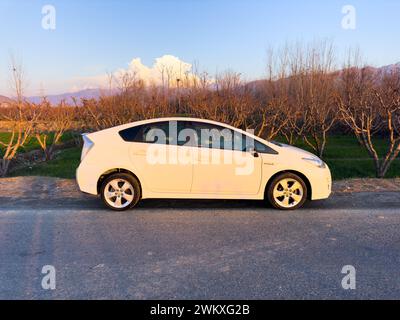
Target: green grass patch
359, 168
63, 166
31, 143
344, 147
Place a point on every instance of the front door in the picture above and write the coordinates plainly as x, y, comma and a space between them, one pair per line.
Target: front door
223, 165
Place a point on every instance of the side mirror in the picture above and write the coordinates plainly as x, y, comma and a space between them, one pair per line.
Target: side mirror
252, 151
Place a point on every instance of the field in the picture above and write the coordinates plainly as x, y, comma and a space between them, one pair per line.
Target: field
63, 166
31, 143
345, 157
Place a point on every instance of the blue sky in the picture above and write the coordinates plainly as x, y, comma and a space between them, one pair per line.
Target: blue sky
96, 36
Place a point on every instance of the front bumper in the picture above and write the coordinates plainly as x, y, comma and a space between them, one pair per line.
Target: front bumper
321, 184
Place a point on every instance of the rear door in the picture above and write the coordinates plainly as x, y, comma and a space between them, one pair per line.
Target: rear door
155, 152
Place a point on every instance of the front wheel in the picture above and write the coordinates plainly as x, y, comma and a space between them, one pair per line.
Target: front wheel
120, 191
287, 192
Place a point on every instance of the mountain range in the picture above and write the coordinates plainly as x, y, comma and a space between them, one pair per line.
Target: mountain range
96, 93
4, 101
69, 96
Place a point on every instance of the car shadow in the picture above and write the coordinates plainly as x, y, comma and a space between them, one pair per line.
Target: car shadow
364, 200
201, 204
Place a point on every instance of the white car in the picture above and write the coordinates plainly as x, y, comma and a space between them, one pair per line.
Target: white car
196, 159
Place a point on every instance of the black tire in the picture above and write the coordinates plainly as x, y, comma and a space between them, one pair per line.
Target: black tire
276, 203
127, 177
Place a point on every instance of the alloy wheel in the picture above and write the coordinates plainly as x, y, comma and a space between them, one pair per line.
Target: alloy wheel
119, 193
288, 192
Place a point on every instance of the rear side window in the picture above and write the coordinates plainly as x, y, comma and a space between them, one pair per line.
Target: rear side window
165, 132
130, 133
148, 133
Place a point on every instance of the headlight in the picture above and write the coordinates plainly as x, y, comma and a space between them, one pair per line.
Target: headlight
315, 161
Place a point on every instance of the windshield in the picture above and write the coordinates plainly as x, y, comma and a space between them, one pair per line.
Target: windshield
276, 143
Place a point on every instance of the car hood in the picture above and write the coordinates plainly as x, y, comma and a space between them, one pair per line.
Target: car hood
297, 151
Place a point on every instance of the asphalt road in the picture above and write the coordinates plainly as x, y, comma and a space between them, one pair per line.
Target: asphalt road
199, 249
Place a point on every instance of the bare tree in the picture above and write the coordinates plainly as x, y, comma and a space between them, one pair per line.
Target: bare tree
271, 112
311, 94
52, 125
228, 100
370, 104
21, 117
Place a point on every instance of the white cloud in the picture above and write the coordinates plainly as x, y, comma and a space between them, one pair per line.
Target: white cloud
166, 69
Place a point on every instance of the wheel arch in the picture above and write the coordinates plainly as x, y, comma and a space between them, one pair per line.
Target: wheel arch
108, 173
301, 175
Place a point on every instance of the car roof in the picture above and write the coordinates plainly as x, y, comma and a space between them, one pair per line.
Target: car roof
140, 122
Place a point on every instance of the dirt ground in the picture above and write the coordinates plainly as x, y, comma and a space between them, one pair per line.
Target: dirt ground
42, 187
366, 185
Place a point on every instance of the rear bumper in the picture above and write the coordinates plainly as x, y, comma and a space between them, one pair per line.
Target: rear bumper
87, 178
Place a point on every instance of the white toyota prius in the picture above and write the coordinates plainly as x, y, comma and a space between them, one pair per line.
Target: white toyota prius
196, 159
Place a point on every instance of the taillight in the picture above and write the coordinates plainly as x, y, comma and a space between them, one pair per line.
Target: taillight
87, 145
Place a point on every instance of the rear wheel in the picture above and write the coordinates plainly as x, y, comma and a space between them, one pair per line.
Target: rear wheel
120, 191
287, 192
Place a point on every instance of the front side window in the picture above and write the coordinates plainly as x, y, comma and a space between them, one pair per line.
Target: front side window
213, 136
262, 148
219, 137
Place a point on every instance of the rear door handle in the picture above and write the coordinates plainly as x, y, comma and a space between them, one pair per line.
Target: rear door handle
139, 151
